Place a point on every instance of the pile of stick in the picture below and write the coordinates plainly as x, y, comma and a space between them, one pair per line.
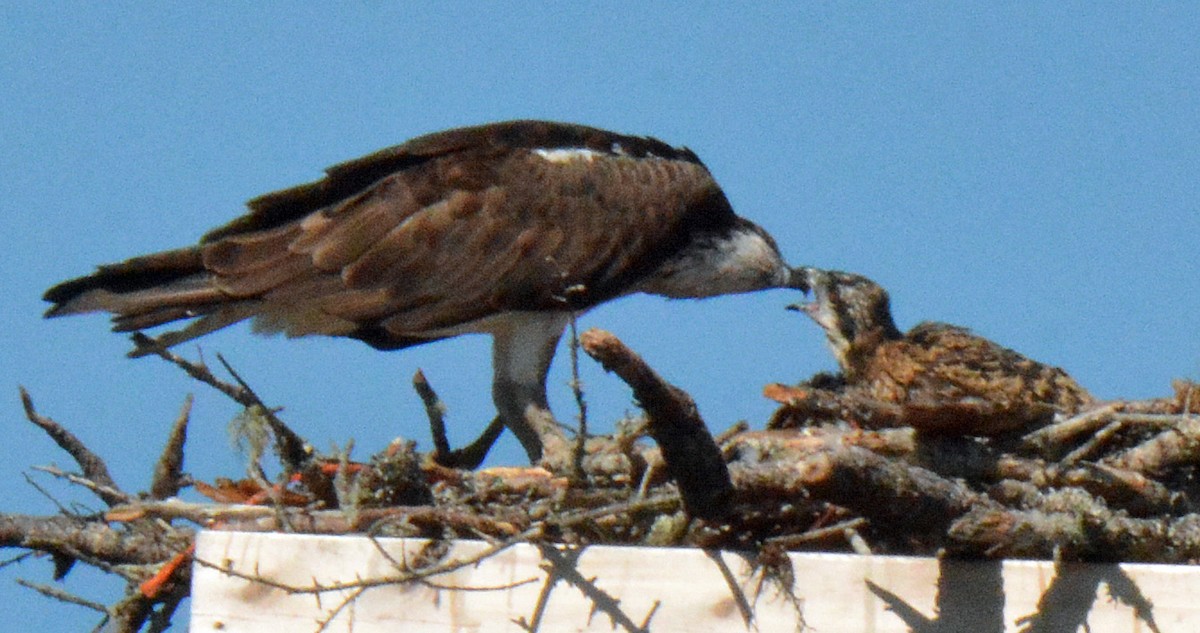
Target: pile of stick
831, 472
1116, 482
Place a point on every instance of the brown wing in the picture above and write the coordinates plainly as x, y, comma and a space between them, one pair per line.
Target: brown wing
446, 230
461, 238
938, 363
352, 177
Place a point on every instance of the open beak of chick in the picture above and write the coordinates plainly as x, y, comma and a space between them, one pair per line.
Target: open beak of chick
818, 309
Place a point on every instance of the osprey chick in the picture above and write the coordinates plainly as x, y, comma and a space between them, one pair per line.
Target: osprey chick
504, 229
933, 365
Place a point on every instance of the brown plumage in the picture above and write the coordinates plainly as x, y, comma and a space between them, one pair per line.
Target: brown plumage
500, 229
935, 369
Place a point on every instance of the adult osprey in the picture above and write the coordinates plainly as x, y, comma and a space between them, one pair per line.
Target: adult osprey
503, 229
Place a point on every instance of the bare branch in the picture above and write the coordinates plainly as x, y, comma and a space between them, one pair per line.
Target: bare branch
323, 624
577, 390
539, 607
74, 536
563, 566
63, 596
257, 518
401, 577
1071, 525
436, 410
93, 467
1179, 444
145, 345
837, 530
692, 458
852, 477
292, 448
470, 456
100, 491
1048, 440
735, 591
168, 472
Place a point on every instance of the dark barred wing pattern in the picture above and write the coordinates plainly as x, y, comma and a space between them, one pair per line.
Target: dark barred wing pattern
423, 240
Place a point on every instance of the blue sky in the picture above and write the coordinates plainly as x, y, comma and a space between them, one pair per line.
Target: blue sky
1027, 170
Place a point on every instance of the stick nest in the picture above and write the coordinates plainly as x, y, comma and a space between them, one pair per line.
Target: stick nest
832, 471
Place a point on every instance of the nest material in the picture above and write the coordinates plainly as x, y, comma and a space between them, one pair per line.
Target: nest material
835, 470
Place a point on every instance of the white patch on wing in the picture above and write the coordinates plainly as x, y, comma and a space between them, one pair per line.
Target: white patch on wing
567, 154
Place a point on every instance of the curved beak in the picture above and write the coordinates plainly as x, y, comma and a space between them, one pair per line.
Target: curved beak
813, 280
798, 278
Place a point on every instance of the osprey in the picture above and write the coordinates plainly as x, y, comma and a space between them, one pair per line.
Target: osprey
505, 229
933, 364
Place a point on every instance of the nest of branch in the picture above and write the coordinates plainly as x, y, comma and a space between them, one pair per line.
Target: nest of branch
832, 472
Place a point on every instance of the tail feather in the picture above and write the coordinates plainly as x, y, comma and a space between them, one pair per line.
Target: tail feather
153, 290
131, 275
155, 318
226, 315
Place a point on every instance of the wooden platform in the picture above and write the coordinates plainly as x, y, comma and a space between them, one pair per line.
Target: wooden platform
674, 589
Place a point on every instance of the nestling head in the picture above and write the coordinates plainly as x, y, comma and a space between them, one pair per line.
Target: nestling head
854, 311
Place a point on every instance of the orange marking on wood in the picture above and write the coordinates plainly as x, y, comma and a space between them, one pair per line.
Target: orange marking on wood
154, 585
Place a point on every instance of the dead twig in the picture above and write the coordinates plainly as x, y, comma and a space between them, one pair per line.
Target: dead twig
855, 478
737, 428
103, 492
1179, 444
46, 493
144, 345
63, 596
294, 452
292, 449
1051, 439
735, 590
1095, 443
468, 457
837, 530
317, 588
323, 623
93, 467
92, 538
168, 471
692, 458
1073, 525
580, 404
534, 623
160, 619
257, 518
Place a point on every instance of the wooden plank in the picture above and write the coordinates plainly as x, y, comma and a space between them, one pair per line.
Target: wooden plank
837, 592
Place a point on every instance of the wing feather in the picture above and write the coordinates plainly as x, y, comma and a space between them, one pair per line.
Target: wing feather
241, 254
289, 267
539, 229
387, 258
354, 228
423, 239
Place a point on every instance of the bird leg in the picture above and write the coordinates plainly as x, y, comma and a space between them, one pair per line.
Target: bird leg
522, 356
525, 412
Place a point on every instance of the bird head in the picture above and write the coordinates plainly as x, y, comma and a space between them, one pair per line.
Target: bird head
854, 311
